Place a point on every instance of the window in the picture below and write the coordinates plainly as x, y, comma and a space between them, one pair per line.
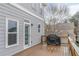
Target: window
11, 32
39, 28
34, 6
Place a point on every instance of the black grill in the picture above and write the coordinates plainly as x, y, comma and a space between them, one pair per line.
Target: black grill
53, 39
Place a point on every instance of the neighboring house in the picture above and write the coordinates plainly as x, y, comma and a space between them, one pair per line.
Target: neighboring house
21, 27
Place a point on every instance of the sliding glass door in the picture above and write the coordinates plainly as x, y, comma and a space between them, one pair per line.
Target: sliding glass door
27, 35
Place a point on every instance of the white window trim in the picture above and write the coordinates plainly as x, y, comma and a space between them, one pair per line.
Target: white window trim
13, 19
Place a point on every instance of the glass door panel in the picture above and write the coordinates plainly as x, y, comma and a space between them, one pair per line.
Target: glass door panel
26, 34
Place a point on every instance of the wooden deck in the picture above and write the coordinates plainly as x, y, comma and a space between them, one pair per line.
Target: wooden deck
44, 50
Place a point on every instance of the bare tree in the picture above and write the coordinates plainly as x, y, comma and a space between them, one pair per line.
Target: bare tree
58, 13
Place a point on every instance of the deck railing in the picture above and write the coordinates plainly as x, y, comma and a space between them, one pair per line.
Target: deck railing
72, 47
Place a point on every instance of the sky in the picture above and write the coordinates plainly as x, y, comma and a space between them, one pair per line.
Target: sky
73, 8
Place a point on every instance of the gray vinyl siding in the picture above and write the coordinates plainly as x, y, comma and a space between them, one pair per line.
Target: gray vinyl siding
36, 10
7, 10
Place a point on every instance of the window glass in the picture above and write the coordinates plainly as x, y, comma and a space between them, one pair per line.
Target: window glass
12, 39
12, 26
39, 28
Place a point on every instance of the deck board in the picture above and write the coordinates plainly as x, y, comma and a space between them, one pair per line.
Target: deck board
44, 50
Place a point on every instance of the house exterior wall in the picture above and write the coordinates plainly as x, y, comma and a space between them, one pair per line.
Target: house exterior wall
33, 7
10, 11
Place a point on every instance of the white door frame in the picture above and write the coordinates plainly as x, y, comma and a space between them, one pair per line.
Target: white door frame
29, 45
